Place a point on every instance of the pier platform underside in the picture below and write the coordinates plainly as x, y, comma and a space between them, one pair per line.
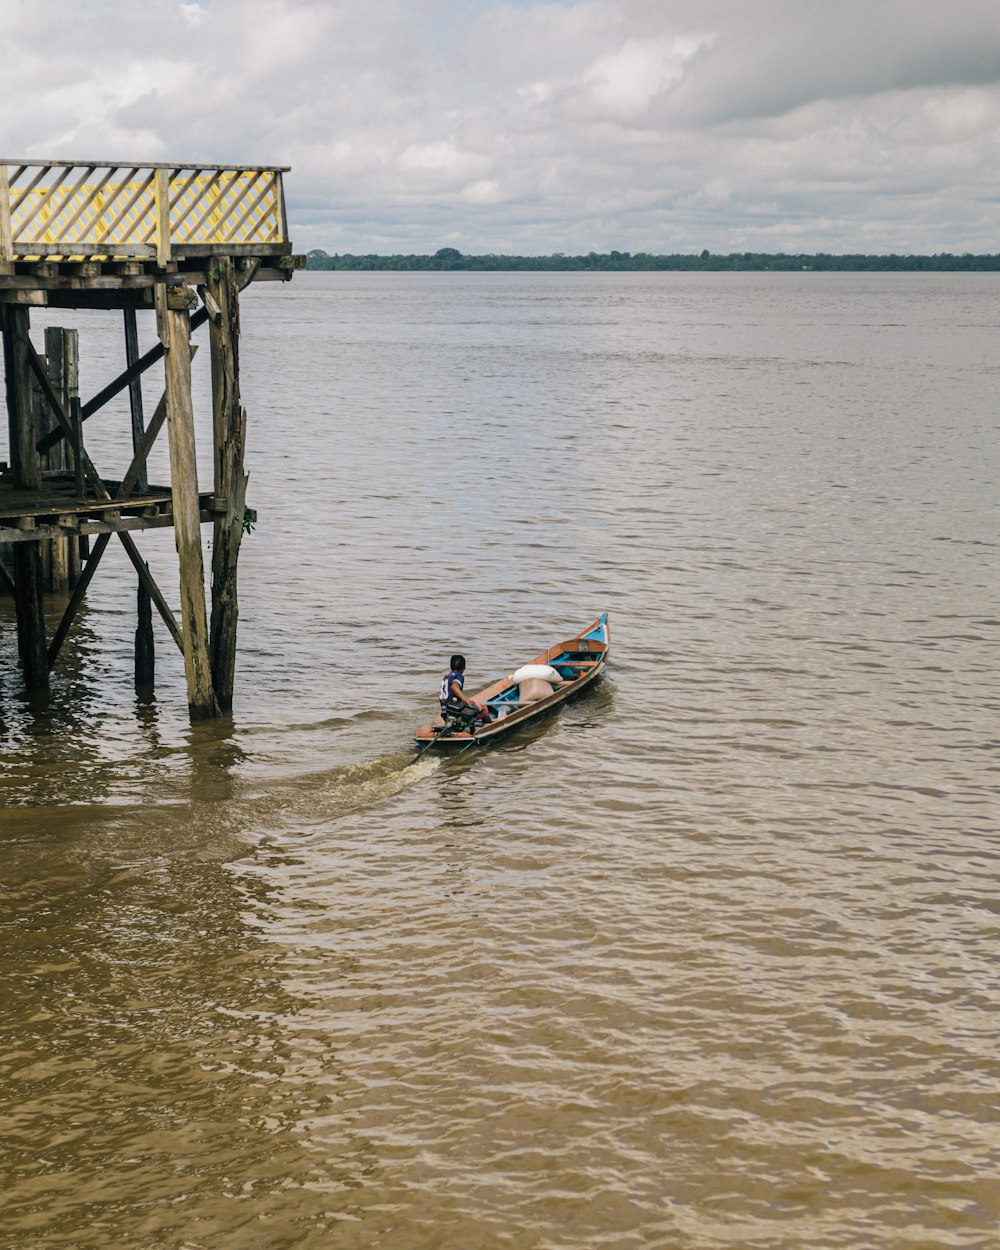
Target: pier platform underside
55, 510
102, 282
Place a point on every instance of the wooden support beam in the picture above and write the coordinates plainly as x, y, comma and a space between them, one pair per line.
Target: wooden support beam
78, 480
39, 417
155, 595
162, 202
65, 564
30, 605
90, 568
6, 244
142, 568
145, 648
17, 349
145, 653
141, 454
66, 423
145, 578
6, 580
29, 298
135, 390
248, 273
111, 523
174, 328
118, 384
62, 363
28, 587
229, 425
79, 590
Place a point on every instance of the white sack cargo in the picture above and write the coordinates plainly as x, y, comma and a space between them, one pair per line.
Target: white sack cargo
538, 672
533, 689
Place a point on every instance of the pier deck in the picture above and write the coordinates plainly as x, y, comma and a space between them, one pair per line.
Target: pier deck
179, 240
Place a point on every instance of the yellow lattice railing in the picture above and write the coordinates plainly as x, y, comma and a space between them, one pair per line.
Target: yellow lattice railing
66, 209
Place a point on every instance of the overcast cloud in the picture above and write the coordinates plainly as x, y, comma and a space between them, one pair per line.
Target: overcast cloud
644, 125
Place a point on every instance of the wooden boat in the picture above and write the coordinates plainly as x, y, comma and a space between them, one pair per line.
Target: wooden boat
579, 661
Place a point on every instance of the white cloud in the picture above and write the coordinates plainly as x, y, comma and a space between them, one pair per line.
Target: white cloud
486, 191
623, 84
194, 14
637, 124
442, 162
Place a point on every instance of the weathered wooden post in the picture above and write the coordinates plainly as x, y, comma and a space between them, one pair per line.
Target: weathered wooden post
39, 418
62, 362
6, 268
6, 234
145, 654
174, 328
28, 588
229, 421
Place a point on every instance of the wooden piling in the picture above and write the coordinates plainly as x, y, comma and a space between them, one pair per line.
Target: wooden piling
145, 655
40, 417
75, 437
62, 362
27, 556
30, 607
20, 414
174, 328
229, 422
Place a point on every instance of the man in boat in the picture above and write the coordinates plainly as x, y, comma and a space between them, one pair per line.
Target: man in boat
455, 703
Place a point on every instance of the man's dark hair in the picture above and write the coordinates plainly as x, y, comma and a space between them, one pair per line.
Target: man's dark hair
458, 663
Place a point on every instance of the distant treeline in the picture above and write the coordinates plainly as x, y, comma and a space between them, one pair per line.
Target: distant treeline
451, 258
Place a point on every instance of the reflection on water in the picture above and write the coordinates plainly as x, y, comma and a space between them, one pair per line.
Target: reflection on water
142, 1046
705, 959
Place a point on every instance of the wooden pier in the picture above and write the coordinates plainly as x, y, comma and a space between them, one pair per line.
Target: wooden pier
179, 242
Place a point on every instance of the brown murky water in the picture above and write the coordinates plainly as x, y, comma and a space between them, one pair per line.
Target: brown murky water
707, 961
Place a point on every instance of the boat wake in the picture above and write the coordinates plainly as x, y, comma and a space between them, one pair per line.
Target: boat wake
325, 797
208, 825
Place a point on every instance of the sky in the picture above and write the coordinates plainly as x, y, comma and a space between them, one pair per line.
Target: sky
535, 127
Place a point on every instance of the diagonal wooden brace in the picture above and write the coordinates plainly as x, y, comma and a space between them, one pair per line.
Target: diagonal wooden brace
66, 426
153, 590
89, 569
119, 383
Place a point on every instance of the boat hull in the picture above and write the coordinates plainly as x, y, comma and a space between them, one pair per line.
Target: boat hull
580, 660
